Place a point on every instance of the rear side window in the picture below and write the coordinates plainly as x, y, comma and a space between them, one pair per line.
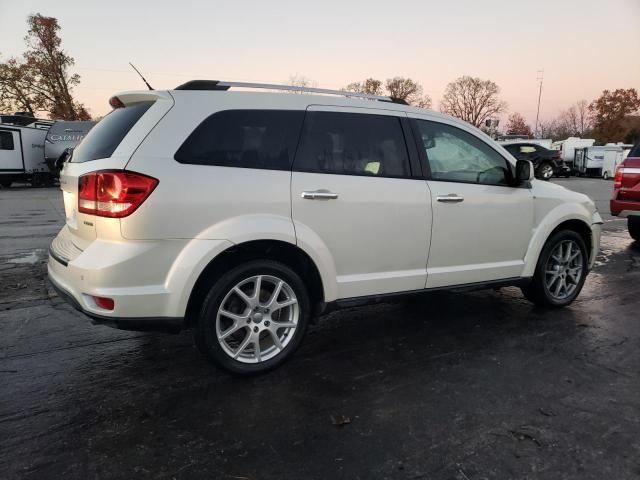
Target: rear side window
6, 141
264, 139
635, 151
104, 138
353, 144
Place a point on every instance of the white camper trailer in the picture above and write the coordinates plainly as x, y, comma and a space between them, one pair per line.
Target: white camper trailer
614, 157
568, 147
599, 160
22, 155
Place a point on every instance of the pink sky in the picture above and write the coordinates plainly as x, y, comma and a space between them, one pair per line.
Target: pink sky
584, 46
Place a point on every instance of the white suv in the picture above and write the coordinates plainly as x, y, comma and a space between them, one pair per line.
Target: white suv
245, 214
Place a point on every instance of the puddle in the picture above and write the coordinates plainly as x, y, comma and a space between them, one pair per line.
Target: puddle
29, 258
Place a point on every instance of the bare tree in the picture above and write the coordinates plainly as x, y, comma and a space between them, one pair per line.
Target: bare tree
407, 90
301, 81
472, 99
397, 87
583, 118
370, 86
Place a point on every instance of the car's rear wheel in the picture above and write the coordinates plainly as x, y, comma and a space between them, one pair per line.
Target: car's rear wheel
633, 224
561, 271
545, 171
253, 318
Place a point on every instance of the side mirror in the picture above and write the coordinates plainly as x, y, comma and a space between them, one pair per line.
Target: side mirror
428, 143
524, 171
65, 157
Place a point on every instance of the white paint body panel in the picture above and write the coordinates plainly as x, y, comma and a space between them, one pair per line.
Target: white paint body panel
381, 235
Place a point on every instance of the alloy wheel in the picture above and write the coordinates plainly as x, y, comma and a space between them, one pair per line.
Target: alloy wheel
546, 171
564, 269
257, 319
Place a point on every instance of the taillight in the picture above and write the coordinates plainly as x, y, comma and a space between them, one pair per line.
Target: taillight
113, 193
617, 179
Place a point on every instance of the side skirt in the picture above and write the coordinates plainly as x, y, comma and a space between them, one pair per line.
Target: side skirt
387, 297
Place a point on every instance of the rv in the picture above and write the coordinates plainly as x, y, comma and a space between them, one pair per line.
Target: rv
568, 147
62, 136
599, 160
22, 150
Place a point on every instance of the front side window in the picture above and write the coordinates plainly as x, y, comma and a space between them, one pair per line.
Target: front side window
264, 139
353, 144
458, 156
6, 141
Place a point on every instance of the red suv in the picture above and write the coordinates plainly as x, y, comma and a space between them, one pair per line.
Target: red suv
626, 192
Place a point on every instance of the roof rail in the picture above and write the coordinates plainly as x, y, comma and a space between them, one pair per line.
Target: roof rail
224, 85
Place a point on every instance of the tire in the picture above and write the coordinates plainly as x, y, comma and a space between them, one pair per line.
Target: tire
633, 224
6, 182
544, 171
542, 290
605, 175
246, 320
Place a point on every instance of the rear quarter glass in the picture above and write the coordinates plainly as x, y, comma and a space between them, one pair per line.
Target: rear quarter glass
105, 137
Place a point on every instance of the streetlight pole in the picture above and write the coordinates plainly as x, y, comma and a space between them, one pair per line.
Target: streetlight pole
540, 78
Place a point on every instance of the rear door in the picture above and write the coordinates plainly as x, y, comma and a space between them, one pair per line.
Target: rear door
356, 199
10, 151
109, 145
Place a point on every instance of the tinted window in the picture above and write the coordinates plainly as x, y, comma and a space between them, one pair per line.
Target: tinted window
458, 156
353, 144
6, 141
244, 138
635, 151
105, 137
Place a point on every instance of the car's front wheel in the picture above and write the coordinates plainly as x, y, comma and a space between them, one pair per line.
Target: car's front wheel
253, 318
561, 271
633, 224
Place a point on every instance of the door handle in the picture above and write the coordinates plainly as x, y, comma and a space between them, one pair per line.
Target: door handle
451, 198
319, 195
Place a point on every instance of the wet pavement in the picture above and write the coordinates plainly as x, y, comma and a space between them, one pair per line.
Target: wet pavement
468, 386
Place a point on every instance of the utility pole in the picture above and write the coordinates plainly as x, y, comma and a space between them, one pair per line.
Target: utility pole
540, 78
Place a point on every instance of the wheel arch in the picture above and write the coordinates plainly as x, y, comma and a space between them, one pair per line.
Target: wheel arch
287, 253
573, 222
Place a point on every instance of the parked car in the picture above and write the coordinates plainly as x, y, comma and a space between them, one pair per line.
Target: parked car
626, 192
242, 215
547, 162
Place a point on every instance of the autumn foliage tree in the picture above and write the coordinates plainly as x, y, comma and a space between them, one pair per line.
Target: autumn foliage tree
41, 80
516, 125
608, 114
473, 100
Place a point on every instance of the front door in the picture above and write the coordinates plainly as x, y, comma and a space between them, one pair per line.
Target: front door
354, 198
481, 223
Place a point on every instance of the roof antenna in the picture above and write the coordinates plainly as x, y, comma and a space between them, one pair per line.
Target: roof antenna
143, 79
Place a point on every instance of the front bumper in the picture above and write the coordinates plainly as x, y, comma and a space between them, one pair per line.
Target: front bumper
596, 232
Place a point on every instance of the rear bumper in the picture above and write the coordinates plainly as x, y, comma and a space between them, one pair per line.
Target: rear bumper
624, 208
149, 324
150, 282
